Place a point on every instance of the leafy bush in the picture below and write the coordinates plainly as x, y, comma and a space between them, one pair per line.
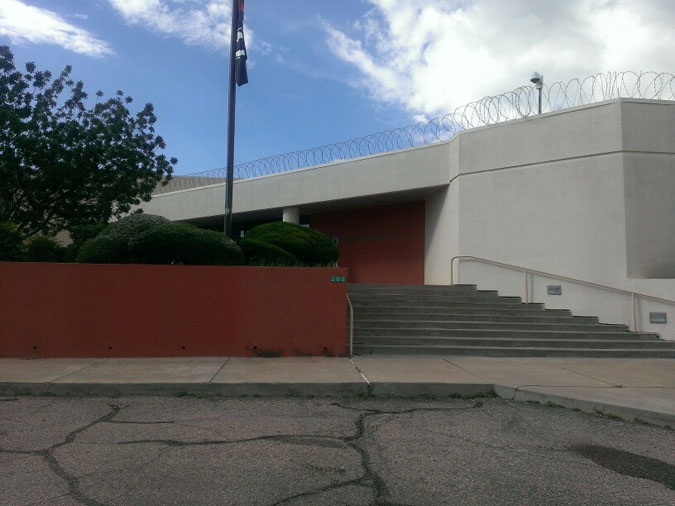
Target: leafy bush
43, 249
132, 226
82, 233
111, 245
172, 243
264, 253
79, 235
310, 247
11, 243
103, 250
150, 239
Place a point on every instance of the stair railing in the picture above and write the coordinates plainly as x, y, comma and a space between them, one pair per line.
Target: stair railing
526, 271
351, 327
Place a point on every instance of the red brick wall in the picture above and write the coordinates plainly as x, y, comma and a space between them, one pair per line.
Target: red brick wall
379, 244
86, 310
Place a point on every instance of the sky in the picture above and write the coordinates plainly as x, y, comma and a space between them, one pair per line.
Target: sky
323, 71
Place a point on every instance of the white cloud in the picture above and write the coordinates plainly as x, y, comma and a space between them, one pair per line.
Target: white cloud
24, 23
197, 22
431, 56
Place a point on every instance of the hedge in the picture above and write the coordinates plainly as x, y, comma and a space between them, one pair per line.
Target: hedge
310, 247
103, 250
11, 243
132, 226
43, 249
264, 253
80, 234
173, 243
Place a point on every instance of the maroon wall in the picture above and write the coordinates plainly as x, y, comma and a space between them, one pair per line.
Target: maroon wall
87, 310
378, 244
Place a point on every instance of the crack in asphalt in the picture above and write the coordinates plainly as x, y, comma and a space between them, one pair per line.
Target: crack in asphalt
369, 479
363, 428
48, 455
73, 481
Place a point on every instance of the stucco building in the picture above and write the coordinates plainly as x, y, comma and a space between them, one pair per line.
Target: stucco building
587, 193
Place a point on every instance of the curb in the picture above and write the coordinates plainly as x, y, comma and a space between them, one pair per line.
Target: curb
187, 389
606, 409
351, 389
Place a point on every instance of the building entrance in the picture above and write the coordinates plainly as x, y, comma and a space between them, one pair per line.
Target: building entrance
378, 244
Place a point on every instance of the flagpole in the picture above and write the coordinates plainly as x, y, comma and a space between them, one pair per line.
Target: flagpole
231, 105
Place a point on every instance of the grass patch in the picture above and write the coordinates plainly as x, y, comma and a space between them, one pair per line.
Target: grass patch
606, 414
188, 394
480, 395
259, 352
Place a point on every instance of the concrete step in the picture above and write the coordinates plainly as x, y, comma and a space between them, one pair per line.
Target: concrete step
498, 351
540, 317
425, 293
361, 323
465, 303
434, 299
366, 287
491, 333
640, 344
516, 310
466, 292
461, 320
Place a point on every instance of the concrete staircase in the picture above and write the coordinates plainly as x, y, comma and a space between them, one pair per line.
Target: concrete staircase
461, 320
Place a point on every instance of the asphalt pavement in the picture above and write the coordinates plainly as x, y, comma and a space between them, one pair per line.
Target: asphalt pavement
147, 451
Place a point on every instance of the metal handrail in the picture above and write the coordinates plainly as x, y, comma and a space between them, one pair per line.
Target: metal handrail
527, 271
351, 327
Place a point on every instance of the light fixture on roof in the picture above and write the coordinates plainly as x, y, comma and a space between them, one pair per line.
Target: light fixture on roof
538, 81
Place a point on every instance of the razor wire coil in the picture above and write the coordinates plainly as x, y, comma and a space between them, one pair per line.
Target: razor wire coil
519, 103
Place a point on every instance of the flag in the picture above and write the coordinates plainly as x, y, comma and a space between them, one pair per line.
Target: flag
240, 75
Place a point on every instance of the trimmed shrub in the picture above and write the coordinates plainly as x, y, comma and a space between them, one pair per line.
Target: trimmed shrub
310, 247
172, 243
132, 226
150, 239
79, 235
11, 243
111, 245
43, 249
264, 253
103, 250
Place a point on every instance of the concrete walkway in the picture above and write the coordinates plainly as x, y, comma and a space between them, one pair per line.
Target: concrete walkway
642, 389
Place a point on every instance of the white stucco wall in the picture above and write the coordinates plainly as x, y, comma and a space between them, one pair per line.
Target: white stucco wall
398, 171
587, 193
581, 205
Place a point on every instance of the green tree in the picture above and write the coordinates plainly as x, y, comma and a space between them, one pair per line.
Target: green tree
64, 163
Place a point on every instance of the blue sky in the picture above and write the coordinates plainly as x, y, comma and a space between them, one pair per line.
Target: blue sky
322, 71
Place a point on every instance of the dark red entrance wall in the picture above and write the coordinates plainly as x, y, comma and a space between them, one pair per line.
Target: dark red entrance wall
85, 310
378, 244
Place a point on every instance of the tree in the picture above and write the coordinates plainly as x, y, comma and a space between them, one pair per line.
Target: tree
64, 164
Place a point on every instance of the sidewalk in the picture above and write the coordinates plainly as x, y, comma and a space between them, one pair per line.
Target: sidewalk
642, 389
